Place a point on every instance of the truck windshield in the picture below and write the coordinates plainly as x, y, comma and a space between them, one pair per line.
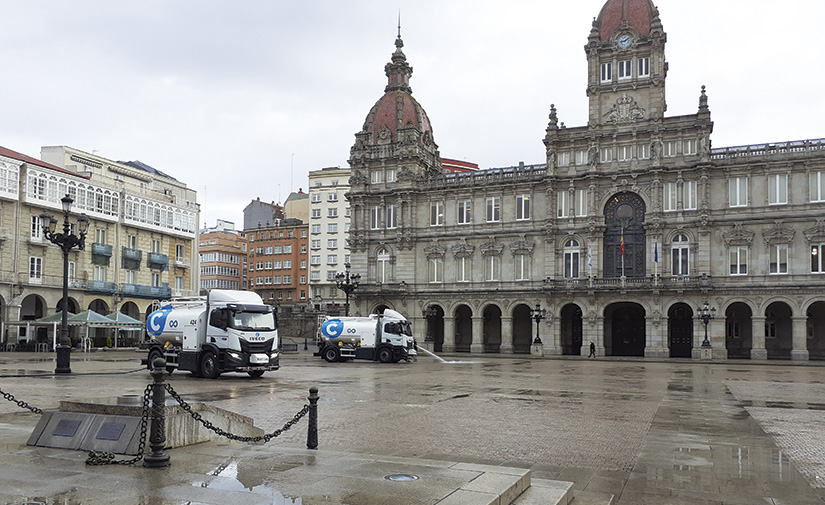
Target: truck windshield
253, 321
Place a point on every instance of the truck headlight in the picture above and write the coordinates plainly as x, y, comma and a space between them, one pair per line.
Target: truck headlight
234, 355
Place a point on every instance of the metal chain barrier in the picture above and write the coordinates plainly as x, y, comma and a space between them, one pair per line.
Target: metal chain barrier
208, 425
20, 403
97, 458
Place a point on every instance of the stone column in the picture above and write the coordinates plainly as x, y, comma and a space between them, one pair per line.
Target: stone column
758, 350
449, 335
716, 335
506, 335
477, 344
800, 338
655, 342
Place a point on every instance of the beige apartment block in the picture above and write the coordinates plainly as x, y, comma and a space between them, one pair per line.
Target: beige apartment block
630, 227
141, 245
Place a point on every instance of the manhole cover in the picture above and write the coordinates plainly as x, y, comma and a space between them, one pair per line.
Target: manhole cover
401, 477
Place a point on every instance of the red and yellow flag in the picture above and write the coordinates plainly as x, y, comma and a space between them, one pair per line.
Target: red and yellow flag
622, 243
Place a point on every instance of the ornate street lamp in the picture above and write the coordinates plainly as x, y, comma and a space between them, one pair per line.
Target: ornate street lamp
538, 314
705, 315
347, 283
67, 241
430, 313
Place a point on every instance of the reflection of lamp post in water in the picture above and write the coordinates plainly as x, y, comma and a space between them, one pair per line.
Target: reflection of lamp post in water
538, 314
347, 283
705, 316
67, 241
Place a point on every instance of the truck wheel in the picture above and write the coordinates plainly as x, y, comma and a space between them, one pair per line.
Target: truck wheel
255, 374
385, 355
209, 366
331, 354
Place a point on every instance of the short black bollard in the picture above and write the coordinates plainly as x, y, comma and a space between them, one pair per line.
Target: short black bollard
312, 428
157, 435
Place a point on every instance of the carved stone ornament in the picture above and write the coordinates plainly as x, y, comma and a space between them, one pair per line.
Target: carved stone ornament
434, 250
816, 233
491, 248
357, 178
778, 234
625, 110
463, 250
384, 135
522, 245
738, 236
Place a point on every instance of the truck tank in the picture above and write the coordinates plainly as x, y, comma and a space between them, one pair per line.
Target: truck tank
166, 324
348, 331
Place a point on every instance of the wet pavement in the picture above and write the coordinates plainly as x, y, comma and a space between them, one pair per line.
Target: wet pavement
671, 432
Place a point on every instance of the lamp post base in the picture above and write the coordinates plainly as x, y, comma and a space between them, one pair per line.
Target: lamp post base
63, 353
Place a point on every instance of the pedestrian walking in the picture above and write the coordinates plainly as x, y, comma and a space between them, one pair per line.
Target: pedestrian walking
592, 350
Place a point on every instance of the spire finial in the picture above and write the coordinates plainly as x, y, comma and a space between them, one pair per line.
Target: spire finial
399, 23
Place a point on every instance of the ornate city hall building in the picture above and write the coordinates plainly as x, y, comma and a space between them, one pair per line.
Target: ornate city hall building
633, 229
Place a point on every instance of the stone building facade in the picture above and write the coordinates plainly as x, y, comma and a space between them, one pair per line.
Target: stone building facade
141, 244
630, 226
277, 262
222, 257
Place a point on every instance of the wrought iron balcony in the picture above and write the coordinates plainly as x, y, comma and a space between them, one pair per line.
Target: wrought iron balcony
157, 260
141, 291
93, 286
131, 258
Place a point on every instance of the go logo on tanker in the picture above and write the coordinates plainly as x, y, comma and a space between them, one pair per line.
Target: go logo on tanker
157, 320
332, 328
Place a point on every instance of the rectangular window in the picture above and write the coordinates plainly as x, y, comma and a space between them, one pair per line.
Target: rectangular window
817, 264
607, 72
643, 150
779, 259
100, 273
332, 259
581, 157
391, 219
523, 207
493, 209
316, 228
522, 267
316, 197
315, 259
100, 236
606, 155
436, 269
316, 213
738, 191
465, 212
316, 243
669, 196
492, 268
739, 260
562, 204
625, 153
376, 215
35, 270
563, 159
689, 147
332, 212
690, 195
155, 280
625, 69
680, 256
332, 197
778, 189
463, 269
332, 243
155, 246
644, 67
332, 228
36, 230
377, 176
315, 275
436, 214
390, 175
669, 149
571, 264
581, 202
130, 276
817, 186
178, 284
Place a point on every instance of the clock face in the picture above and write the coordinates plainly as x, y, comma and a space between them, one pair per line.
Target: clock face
624, 41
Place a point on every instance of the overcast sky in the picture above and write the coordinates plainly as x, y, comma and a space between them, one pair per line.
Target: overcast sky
242, 99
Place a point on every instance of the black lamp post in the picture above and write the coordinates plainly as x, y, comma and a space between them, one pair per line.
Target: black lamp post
67, 241
429, 313
538, 314
347, 283
705, 315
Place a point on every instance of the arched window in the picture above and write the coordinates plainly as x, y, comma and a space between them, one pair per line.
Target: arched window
680, 253
571, 259
383, 273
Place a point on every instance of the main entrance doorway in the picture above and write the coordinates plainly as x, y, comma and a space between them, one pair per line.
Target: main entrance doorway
624, 329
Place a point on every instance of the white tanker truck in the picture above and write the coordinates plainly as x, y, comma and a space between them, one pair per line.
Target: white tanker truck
383, 337
226, 331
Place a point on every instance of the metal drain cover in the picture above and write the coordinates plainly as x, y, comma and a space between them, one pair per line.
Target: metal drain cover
401, 477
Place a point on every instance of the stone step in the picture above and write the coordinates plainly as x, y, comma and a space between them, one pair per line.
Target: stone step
495, 485
591, 498
546, 492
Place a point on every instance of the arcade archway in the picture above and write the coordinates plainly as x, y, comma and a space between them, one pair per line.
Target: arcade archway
624, 329
680, 330
571, 330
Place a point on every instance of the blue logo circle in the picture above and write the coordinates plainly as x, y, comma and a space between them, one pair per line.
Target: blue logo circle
332, 328
157, 320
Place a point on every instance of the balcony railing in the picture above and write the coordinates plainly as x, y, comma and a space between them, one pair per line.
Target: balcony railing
131, 258
93, 286
157, 260
182, 262
141, 291
99, 249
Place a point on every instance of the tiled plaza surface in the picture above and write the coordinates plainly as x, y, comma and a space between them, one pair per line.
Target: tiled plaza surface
668, 432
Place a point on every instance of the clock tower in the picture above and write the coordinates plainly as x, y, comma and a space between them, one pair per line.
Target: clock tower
626, 64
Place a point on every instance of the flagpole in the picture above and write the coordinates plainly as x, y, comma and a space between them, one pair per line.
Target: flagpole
621, 247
